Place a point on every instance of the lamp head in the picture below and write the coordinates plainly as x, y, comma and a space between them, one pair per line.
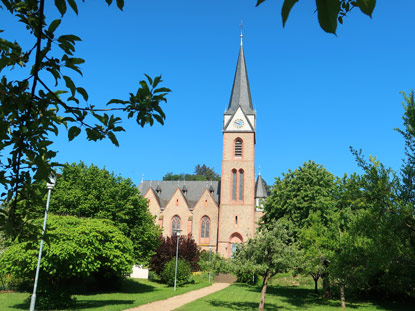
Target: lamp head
50, 184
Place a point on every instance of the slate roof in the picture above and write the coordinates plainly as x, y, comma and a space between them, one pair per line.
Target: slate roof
261, 188
241, 93
194, 189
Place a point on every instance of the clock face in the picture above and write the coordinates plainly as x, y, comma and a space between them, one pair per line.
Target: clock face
238, 123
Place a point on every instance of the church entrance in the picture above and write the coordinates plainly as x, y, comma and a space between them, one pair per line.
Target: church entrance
234, 240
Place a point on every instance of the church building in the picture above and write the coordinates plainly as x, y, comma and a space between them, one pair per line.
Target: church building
218, 214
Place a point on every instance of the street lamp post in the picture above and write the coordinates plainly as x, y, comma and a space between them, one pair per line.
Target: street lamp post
210, 255
50, 184
177, 255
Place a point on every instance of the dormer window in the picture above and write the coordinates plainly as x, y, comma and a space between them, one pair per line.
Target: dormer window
238, 147
158, 190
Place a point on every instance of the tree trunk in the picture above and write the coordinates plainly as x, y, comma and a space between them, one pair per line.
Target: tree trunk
315, 284
263, 292
342, 298
326, 286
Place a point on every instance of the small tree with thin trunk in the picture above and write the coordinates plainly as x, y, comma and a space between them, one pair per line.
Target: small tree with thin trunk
270, 252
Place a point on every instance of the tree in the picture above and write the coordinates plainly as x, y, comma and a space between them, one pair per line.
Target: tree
201, 173
87, 191
382, 241
75, 249
271, 251
407, 188
309, 188
330, 12
188, 250
31, 110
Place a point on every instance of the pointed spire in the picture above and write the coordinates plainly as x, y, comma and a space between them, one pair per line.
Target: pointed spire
241, 93
142, 178
260, 187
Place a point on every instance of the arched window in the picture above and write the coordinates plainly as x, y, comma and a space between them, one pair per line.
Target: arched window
205, 227
241, 185
234, 185
238, 147
175, 225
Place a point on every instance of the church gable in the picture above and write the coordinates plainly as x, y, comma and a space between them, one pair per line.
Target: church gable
239, 122
153, 201
177, 214
205, 221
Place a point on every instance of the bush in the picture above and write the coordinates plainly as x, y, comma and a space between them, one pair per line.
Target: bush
247, 277
183, 272
166, 251
77, 250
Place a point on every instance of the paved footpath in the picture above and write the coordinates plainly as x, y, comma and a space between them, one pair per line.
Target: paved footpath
178, 301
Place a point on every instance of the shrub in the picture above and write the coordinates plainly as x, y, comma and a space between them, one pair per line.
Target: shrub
217, 264
166, 251
247, 277
76, 250
183, 272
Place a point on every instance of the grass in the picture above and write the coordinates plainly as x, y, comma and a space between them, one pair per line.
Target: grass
286, 294
133, 293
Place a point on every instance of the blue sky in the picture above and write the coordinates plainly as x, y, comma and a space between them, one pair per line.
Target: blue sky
316, 94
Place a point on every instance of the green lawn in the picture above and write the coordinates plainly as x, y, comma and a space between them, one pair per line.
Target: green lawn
286, 293
133, 293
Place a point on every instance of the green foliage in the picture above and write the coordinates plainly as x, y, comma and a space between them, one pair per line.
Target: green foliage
31, 111
75, 248
202, 172
52, 299
166, 251
310, 188
183, 272
217, 264
272, 251
92, 192
407, 187
330, 12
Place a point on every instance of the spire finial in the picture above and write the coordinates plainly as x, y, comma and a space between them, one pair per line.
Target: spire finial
142, 178
259, 170
241, 32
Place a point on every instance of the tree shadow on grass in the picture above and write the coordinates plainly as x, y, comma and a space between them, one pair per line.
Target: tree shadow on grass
84, 304
87, 304
303, 298
128, 286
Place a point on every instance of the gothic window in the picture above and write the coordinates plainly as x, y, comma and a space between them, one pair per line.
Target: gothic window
238, 185
175, 225
238, 147
234, 185
241, 184
205, 228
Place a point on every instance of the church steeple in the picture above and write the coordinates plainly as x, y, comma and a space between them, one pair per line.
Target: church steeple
241, 93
